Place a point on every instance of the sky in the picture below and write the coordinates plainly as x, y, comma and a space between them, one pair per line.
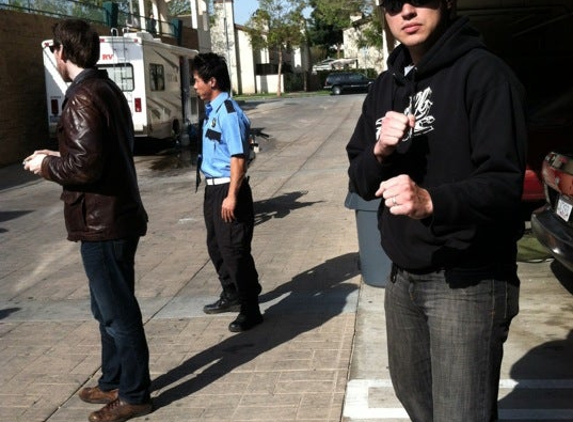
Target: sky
244, 9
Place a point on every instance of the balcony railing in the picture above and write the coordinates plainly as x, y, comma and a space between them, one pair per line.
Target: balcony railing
111, 14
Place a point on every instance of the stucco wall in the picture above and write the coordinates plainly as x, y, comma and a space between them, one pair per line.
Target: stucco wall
269, 83
23, 122
246, 66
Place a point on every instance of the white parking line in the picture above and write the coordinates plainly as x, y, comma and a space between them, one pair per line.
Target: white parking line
357, 394
536, 384
356, 401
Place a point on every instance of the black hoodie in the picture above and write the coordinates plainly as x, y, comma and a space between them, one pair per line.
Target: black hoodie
467, 150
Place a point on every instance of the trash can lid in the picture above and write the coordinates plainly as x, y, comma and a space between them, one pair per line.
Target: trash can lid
355, 202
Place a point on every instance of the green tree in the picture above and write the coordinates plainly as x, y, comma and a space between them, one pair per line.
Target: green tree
183, 7
331, 17
179, 7
324, 35
277, 25
371, 34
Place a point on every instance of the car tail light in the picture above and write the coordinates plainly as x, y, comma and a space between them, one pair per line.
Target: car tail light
532, 187
137, 105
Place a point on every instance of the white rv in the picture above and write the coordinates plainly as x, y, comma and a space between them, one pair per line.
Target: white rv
155, 78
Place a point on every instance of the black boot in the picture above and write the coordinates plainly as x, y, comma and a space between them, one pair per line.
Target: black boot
224, 304
249, 317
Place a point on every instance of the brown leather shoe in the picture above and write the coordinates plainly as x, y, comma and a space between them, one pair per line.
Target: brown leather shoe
120, 411
96, 396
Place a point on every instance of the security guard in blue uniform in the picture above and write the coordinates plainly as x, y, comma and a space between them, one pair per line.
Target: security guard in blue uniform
228, 207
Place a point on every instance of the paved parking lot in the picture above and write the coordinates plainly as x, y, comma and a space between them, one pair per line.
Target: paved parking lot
321, 353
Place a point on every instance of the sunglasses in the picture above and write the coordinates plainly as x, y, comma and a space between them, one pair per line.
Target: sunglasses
395, 6
54, 46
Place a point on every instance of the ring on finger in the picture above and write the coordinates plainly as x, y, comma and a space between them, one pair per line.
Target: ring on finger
394, 203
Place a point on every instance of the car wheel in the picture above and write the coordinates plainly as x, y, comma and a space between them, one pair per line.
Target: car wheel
336, 90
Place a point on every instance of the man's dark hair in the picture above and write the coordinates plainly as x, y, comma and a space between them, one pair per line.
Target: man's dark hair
211, 65
79, 40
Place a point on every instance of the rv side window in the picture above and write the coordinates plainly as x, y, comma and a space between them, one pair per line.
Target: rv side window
121, 74
156, 77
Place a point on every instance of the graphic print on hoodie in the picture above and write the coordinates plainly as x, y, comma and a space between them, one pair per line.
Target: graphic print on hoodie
422, 105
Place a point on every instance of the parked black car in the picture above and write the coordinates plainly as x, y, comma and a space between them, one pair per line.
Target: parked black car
552, 224
347, 82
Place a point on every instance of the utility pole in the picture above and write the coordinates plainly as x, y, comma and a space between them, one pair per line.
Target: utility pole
227, 49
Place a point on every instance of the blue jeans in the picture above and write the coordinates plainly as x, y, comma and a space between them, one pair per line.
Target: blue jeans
445, 345
109, 266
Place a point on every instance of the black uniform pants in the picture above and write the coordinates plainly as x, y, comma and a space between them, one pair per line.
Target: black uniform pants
229, 244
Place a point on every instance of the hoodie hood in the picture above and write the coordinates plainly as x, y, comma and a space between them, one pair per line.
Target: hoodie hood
456, 41
467, 149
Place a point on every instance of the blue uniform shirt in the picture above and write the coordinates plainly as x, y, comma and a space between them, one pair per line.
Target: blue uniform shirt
225, 133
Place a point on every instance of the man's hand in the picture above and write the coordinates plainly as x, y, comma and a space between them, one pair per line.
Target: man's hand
238, 172
395, 126
33, 163
403, 197
228, 209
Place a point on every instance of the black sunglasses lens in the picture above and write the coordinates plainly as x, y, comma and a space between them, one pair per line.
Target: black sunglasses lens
392, 6
418, 3
395, 6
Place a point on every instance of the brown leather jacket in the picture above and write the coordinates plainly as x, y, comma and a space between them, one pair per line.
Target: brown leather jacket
95, 136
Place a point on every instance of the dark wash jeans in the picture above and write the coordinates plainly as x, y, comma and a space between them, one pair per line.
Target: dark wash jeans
109, 266
445, 345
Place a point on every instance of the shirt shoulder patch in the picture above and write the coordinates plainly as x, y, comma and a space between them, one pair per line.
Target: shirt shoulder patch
229, 106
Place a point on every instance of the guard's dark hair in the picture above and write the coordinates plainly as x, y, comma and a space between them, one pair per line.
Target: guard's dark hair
79, 40
211, 65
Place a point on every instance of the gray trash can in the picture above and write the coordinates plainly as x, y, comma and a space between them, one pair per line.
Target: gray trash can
375, 265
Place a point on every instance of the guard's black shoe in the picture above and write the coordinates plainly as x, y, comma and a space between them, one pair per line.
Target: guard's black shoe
223, 305
245, 322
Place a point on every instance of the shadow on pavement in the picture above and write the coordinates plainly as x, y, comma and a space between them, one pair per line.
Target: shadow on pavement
14, 175
563, 275
10, 215
279, 206
5, 313
312, 298
547, 364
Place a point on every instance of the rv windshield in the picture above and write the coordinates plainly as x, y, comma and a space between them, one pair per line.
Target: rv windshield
121, 74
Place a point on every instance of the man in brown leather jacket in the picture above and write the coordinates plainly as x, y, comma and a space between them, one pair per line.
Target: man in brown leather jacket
102, 210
